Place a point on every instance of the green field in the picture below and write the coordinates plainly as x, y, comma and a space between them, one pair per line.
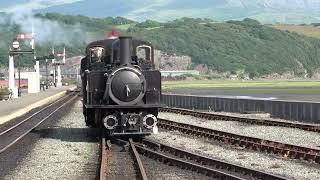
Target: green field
252, 87
124, 26
307, 30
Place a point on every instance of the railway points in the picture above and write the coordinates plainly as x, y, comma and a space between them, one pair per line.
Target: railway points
151, 156
282, 166
209, 166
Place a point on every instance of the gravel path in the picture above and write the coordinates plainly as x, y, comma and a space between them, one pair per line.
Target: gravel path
65, 150
264, 162
280, 134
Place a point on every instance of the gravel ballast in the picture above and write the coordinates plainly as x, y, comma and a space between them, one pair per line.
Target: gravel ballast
158, 171
281, 134
263, 162
65, 150
253, 115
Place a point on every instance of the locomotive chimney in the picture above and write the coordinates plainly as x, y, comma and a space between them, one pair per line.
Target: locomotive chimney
125, 50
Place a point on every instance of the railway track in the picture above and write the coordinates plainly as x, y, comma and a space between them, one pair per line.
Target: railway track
119, 150
212, 116
287, 150
24, 126
203, 165
170, 156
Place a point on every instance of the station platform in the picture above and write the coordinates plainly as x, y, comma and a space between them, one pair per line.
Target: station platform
14, 108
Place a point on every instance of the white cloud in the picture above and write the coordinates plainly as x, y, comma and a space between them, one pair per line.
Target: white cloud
150, 6
36, 4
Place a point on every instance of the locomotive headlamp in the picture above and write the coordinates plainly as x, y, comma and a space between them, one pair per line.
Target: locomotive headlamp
110, 122
149, 121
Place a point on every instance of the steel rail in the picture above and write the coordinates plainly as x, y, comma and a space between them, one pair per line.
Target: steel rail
40, 122
34, 114
212, 116
138, 160
288, 150
127, 146
103, 175
224, 166
171, 161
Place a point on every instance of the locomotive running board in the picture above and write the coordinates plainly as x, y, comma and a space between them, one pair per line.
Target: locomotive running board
132, 134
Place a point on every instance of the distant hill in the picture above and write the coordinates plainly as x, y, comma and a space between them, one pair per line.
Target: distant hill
235, 46
266, 11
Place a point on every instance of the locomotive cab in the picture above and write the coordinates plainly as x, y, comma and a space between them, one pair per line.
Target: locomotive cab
122, 88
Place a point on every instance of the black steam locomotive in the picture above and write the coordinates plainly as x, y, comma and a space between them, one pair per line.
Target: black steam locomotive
121, 88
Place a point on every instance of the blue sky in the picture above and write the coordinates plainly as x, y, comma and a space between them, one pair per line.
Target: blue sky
12, 5
266, 11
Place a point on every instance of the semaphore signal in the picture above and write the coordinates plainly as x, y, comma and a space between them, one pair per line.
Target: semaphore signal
24, 36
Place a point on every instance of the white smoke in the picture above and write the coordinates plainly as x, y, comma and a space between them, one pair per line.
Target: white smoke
45, 31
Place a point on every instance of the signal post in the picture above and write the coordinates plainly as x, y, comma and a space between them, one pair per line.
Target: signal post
57, 68
15, 50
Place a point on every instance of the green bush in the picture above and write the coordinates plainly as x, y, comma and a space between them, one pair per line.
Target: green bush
149, 24
4, 90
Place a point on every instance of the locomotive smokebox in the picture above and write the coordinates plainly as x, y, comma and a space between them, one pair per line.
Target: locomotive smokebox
125, 50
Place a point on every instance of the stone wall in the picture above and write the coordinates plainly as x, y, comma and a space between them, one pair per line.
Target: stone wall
168, 62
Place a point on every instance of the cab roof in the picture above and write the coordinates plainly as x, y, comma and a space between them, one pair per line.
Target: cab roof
107, 44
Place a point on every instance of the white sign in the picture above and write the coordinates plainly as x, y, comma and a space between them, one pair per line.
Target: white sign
15, 44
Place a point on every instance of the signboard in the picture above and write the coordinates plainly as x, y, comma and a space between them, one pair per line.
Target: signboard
15, 44
60, 58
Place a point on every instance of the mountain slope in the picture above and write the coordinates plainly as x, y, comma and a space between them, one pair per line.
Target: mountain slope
234, 46
237, 46
267, 11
